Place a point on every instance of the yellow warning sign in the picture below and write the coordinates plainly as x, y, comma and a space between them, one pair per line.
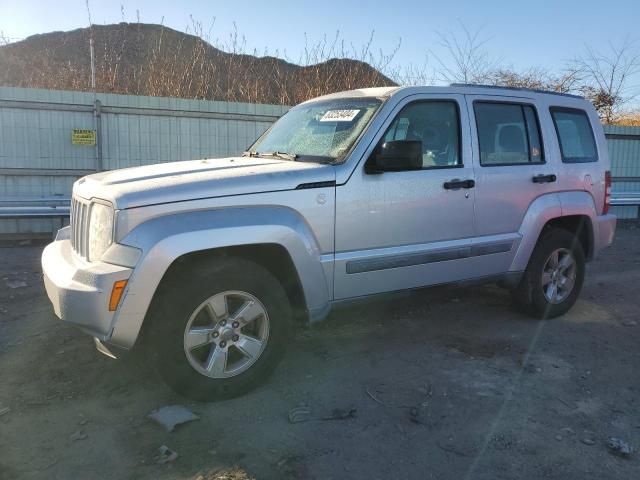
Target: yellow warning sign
83, 137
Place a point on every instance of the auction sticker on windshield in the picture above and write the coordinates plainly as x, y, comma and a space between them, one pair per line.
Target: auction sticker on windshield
339, 115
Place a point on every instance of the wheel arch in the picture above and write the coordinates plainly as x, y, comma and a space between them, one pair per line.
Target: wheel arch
580, 226
572, 211
273, 257
274, 237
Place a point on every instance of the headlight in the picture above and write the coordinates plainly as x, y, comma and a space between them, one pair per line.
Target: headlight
100, 230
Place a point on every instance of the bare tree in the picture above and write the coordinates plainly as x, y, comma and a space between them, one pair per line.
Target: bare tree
629, 119
141, 59
412, 74
4, 40
606, 77
535, 78
466, 59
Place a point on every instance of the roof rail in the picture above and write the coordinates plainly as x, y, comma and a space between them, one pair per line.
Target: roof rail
520, 89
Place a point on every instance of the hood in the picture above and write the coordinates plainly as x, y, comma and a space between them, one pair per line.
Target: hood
179, 181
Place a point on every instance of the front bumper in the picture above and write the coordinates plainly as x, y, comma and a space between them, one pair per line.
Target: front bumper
79, 290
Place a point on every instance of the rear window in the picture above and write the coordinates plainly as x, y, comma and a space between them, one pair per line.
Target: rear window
577, 143
508, 134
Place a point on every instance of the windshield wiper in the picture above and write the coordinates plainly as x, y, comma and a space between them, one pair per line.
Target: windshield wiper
283, 155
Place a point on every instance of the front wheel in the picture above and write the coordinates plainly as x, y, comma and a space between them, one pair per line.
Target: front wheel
553, 279
219, 328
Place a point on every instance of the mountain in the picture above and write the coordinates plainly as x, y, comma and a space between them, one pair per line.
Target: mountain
148, 59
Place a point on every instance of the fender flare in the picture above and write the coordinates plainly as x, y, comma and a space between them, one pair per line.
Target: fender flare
164, 239
583, 204
545, 208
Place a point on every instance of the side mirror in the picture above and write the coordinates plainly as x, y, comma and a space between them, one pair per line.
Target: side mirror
395, 156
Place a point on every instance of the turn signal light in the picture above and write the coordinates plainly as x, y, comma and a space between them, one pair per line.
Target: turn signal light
116, 294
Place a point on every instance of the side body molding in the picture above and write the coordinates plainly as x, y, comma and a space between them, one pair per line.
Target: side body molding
164, 239
545, 208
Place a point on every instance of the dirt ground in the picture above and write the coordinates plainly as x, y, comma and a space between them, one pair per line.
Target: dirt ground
445, 383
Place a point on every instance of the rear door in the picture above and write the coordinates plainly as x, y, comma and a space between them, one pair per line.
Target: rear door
512, 167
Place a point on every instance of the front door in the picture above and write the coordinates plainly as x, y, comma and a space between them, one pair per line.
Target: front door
407, 229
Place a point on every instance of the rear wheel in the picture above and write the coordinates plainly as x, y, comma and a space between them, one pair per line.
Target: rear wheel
219, 329
553, 279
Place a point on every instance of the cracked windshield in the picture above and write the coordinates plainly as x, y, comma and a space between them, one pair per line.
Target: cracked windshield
318, 130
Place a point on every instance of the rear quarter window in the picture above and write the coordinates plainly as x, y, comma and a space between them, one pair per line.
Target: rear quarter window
575, 135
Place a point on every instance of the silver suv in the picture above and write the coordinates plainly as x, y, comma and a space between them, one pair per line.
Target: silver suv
207, 263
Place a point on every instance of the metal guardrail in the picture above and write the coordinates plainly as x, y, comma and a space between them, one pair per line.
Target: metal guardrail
35, 207
620, 199
60, 207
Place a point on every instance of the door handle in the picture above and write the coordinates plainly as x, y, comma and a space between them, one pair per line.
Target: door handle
456, 184
542, 178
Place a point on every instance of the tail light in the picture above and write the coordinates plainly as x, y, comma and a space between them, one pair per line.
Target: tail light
607, 192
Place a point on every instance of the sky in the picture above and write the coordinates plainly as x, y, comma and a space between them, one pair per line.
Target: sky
544, 33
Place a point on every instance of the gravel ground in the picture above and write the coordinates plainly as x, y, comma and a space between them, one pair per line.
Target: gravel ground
444, 383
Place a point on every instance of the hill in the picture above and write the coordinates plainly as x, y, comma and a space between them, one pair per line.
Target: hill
148, 59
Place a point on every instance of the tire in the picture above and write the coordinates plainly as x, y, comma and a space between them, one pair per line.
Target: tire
190, 330
535, 295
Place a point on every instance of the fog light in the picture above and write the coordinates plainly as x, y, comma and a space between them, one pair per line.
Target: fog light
116, 294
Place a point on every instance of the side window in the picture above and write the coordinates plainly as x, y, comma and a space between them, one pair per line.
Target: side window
508, 134
434, 123
577, 143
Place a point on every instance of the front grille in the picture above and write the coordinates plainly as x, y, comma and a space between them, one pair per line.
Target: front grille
79, 226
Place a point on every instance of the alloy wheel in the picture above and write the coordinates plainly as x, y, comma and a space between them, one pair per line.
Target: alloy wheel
226, 334
559, 275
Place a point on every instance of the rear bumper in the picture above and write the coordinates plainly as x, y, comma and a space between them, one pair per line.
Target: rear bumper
79, 291
604, 230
